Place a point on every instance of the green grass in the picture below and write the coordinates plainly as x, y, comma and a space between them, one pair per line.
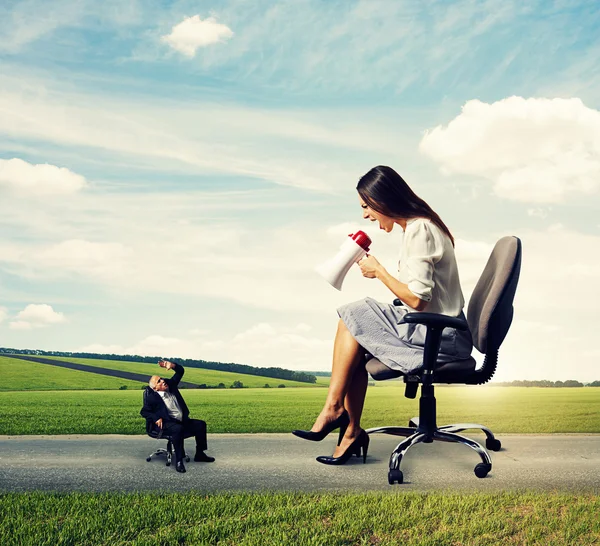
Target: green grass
193, 375
517, 518
503, 409
19, 375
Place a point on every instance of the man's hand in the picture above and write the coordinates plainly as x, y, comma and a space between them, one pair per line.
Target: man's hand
159, 423
370, 267
166, 364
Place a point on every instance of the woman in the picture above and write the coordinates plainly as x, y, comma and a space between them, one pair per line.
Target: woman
427, 280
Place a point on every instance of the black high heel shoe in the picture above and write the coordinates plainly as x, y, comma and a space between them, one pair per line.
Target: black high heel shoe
361, 442
342, 422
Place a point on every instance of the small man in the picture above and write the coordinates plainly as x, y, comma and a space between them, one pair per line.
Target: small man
166, 410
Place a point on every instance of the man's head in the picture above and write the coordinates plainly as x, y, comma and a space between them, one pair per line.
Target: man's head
157, 383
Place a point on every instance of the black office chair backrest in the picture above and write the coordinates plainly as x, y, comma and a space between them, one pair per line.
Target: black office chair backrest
154, 432
147, 390
490, 308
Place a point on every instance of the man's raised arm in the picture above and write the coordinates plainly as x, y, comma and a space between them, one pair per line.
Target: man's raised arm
179, 370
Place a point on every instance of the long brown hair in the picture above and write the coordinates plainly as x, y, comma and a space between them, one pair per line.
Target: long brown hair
386, 192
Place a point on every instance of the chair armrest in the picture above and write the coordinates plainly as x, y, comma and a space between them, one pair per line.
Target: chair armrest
436, 319
435, 323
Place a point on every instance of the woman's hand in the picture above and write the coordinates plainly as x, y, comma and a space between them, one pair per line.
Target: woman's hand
370, 267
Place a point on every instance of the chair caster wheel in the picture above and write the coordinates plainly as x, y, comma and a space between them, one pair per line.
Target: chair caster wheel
395, 476
482, 469
167, 464
148, 459
492, 444
187, 459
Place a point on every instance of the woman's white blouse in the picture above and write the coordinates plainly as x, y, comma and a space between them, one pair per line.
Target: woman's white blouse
428, 266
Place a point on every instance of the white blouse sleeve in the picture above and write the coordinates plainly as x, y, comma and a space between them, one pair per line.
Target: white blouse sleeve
422, 250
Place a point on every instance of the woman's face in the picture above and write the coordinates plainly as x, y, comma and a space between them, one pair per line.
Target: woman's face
385, 222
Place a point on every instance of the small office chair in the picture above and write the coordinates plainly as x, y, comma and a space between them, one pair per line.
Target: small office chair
489, 316
154, 432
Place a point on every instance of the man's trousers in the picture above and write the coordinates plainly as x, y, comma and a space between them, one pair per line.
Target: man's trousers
180, 430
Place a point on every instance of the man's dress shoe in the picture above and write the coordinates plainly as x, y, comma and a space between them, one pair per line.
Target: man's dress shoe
179, 467
203, 458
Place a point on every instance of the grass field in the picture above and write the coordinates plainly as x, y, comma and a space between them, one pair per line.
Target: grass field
19, 375
438, 519
503, 409
194, 375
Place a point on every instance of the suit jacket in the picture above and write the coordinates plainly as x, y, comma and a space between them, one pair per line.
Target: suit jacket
154, 407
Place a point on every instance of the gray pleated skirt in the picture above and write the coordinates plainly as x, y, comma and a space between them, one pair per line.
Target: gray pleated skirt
380, 330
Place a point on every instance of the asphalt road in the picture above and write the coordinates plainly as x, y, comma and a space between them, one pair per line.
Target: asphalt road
282, 462
95, 369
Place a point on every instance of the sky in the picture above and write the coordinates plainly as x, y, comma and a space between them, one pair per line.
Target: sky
172, 172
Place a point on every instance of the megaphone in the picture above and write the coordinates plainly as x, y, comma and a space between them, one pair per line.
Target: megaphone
352, 250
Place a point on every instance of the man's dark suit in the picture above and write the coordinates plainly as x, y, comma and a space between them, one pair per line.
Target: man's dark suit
155, 409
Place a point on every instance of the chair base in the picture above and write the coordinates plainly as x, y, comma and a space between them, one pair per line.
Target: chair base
415, 434
168, 452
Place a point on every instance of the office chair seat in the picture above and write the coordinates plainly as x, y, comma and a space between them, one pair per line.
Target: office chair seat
449, 370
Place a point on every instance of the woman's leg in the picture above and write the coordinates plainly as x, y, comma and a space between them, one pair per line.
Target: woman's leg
354, 402
347, 354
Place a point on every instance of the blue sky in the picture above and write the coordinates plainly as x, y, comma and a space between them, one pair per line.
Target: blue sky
171, 173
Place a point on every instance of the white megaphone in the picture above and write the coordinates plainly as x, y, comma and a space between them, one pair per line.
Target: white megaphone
352, 250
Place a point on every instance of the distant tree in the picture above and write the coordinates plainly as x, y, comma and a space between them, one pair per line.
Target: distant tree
594, 384
221, 386
572, 383
267, 386
237, 385
282, 386
123, 388
202, 386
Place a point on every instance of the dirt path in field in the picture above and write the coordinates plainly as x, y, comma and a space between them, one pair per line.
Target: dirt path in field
94, 369
282, 462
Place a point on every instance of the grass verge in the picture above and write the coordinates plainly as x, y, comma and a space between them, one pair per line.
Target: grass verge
509, 410
299, 518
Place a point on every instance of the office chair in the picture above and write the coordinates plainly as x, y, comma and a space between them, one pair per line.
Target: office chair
489, 316
154, 432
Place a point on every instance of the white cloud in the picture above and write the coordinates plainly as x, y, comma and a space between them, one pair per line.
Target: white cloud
99, 348
20, 325
38, 180
98, 260
36, 316
157, 345
534, 150
263, 345
539, 212
193, 33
